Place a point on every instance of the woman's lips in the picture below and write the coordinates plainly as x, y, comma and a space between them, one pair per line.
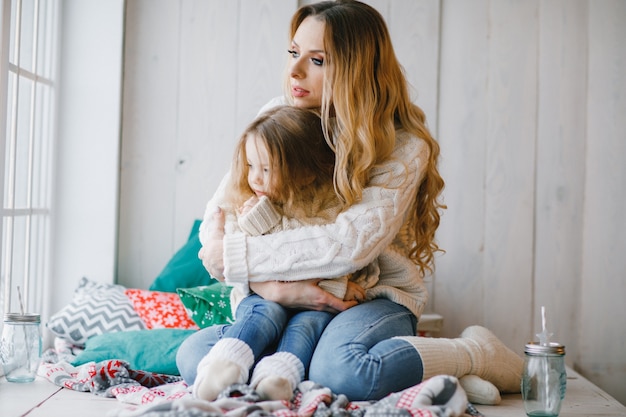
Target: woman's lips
299, 92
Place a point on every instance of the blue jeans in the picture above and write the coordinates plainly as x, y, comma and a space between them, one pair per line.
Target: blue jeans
355, 355
262, 325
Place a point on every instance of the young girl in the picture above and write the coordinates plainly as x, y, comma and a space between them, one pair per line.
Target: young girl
342, 61
281, 179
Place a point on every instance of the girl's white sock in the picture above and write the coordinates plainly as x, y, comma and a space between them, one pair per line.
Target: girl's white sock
227, 363
276, 376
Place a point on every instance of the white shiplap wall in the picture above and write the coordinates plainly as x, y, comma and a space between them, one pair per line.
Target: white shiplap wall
602, 352
194, 76
86, 196
526, 97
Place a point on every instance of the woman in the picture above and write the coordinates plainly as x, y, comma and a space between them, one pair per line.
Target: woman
386, 176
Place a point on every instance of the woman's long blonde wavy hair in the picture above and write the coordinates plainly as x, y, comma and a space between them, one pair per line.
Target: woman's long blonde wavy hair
367, 95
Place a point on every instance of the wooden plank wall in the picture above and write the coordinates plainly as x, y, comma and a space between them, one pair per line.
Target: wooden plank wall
526, 97
602, 352
195, 73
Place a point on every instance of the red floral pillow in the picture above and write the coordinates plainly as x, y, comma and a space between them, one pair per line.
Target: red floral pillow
160, 310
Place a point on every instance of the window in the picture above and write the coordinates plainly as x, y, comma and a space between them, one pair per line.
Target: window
28, 69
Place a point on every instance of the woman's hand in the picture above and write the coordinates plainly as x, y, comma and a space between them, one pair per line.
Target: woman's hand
304, 295
212, 253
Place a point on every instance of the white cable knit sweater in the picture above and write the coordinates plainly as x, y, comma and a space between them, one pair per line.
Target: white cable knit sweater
264, 217
375, 227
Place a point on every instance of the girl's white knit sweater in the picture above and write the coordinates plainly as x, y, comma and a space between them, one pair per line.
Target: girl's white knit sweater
265, 218
374, 228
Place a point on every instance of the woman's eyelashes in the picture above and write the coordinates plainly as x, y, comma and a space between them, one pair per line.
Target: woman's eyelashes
296, 54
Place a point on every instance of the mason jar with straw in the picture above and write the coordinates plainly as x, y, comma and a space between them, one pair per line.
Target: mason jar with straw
20, 346
544, 378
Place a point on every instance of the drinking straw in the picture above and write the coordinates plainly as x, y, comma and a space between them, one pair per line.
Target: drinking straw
26, 344
19, 297
544, 340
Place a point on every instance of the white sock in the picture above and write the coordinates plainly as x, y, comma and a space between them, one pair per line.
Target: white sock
276, 376
477, 352
492, 360
228, 362
440, 356
480, 391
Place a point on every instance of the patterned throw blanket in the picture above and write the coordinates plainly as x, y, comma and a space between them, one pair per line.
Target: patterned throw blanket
155, 395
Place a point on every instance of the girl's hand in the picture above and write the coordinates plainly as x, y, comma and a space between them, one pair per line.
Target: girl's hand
354, 292
247, 206
304, 295
212, 254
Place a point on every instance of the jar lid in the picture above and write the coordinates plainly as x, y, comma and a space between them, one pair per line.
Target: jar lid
22, 318
553, 348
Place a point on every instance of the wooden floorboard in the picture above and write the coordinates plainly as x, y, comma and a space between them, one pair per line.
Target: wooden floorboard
19, 399
74, 403
43, 399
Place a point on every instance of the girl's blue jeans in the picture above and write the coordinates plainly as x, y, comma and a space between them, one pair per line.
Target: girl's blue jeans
356, 354
264, 326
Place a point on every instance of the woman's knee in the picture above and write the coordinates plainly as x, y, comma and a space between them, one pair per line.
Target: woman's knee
186, 361
339, 372
192, 350
350, 354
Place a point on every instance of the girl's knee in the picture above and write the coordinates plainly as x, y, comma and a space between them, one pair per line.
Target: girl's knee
272, 311
314, 321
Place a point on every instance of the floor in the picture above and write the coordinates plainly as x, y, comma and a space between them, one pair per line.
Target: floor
43, 399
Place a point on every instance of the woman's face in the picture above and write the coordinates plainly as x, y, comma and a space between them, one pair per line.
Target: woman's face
306, 65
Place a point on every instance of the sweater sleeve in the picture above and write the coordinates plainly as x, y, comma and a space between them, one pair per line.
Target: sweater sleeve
336, 287
356, 238
260, 219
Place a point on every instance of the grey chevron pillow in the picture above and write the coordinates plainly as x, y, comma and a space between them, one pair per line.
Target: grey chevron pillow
95, 309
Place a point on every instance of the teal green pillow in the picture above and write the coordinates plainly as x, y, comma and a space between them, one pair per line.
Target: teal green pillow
207, 305
185, 269
144, 350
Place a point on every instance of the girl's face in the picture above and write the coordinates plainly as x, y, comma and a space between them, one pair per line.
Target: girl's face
259, 169
306, 65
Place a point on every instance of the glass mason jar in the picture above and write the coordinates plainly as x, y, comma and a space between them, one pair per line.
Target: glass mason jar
544, 379
20, 346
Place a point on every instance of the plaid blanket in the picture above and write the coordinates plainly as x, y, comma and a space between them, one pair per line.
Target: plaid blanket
148, 394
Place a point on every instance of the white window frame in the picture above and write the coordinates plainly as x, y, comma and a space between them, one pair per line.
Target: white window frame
84, 176
28, 76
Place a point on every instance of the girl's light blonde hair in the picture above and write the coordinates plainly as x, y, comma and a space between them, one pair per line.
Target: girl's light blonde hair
365, 99
301, 161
